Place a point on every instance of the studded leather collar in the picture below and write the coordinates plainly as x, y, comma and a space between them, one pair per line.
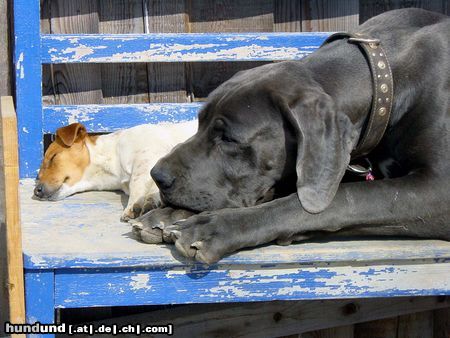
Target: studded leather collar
383, 90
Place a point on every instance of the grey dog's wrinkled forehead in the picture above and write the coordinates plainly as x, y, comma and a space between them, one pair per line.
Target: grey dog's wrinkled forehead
248, 92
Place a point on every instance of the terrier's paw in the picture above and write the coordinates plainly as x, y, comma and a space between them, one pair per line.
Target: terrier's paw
127, 214
146, 204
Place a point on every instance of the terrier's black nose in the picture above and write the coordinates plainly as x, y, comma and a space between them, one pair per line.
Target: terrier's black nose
39, 190
162, 177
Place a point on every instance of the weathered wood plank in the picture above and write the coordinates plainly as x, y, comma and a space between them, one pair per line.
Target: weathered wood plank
167, 82
5, 50
57, 48
334, 332
274, 319
11, 209
225, 16
329, 15
287, 16
381, 328
441, 323
28, 80
39, 294
123, 83
48, 90
231, 16
75, 84
416, 325
93, 237
108, 118
241, 282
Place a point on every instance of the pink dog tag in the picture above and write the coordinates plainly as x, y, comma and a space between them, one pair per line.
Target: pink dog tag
370, 177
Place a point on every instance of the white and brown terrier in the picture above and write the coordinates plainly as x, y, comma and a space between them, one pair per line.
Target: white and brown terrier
76, 161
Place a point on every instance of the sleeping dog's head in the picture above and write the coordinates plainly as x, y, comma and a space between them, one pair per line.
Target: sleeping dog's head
64, 163
267, 131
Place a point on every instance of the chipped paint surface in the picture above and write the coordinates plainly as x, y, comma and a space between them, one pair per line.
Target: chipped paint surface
108, 118
182, 47
92, 236
19, 65
288, 281
28, 82
140, 281
39, 296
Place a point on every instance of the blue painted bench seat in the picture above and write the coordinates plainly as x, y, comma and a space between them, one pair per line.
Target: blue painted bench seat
88, 258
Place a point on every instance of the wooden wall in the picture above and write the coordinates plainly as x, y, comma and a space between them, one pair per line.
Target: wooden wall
428, 324
166, 82
175, 82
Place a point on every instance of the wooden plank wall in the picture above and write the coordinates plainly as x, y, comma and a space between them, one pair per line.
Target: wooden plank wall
160, 82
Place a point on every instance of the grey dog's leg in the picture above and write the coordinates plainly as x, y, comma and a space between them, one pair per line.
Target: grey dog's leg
149, 228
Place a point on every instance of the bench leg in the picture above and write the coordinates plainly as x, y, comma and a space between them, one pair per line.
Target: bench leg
40, 298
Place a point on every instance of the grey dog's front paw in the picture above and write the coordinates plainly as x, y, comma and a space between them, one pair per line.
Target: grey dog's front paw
149, 228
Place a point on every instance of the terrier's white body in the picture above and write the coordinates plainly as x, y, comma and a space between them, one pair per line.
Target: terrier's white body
120, 161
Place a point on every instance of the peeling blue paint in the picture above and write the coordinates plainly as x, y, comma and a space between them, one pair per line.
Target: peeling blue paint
250, 283
109, 118
28, 76
180, 47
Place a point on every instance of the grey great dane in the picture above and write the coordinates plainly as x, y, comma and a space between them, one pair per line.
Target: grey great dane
274, 142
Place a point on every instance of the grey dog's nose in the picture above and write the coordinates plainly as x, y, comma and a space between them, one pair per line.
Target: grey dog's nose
162, 177
39, 190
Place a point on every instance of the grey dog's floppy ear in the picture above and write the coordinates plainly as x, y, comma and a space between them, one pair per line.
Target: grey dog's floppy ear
325, 139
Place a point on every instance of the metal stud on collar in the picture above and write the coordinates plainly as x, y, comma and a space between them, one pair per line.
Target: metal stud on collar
374, 42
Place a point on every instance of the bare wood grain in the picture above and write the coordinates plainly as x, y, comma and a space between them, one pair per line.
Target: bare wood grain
48, 90
383, 328
11, 198
5, 56
329, 15
416, 325
166, 81
275, 319
334, 332
127, 82
287, 16
441, 323
75, 83
225, 16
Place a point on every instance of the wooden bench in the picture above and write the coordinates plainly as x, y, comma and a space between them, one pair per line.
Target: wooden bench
76, 253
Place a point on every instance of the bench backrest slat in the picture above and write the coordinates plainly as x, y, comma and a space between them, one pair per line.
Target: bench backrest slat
181, 47
108, 118
32, 49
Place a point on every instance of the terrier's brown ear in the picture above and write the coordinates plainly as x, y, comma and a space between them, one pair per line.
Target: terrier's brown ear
71, 133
